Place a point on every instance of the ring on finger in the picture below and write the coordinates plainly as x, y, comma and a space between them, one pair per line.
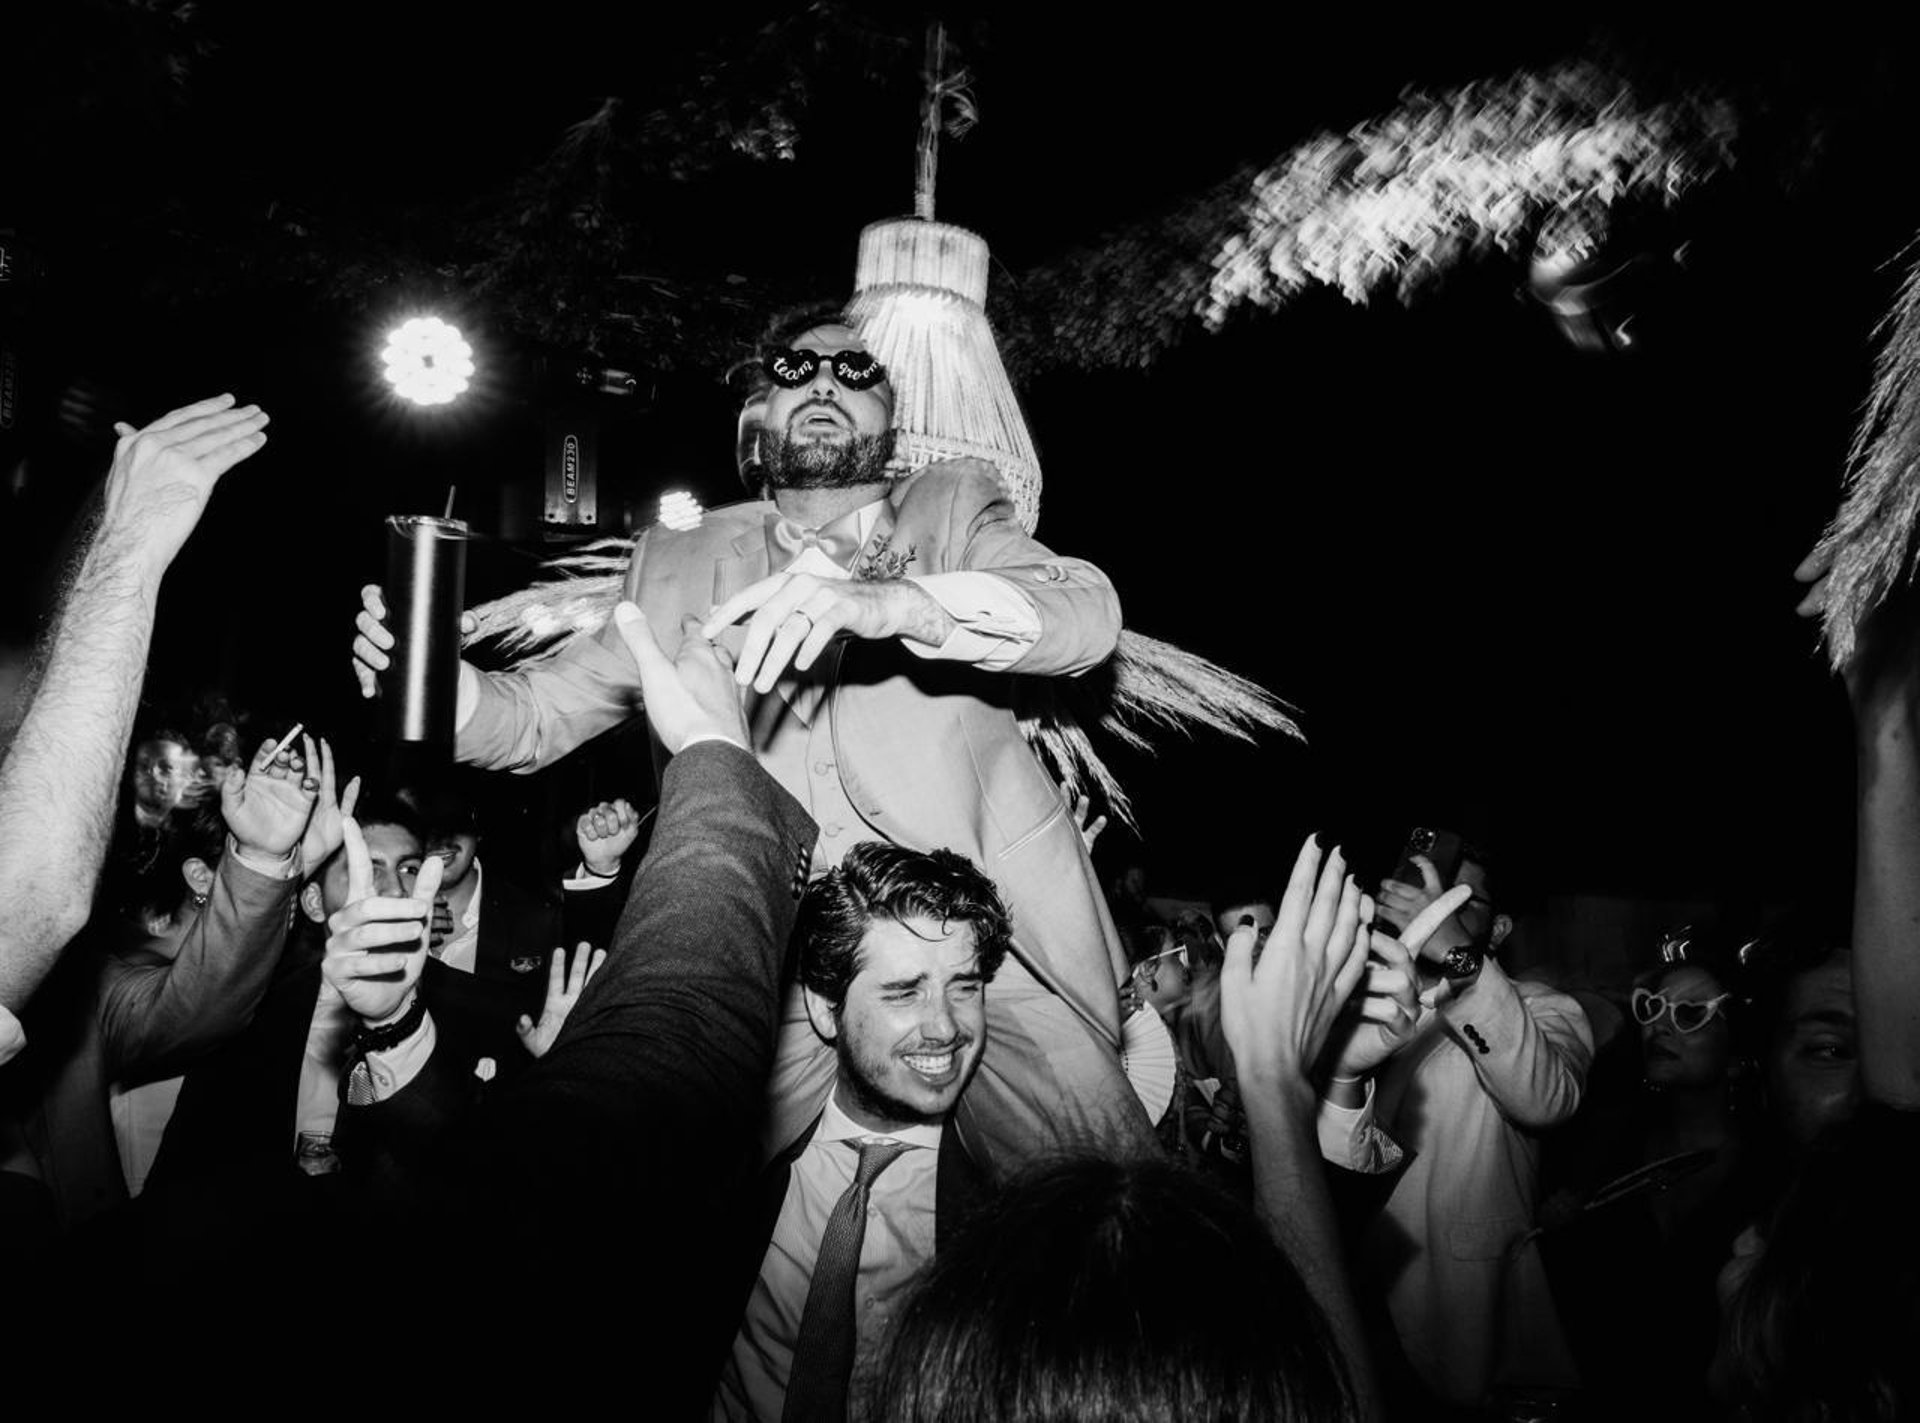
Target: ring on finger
309, 783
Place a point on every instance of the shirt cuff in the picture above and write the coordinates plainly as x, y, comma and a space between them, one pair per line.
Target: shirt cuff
285, 866
380, 1075
714, 736
466, 696
1349, 1139
13, 1037
994, 622
583, 878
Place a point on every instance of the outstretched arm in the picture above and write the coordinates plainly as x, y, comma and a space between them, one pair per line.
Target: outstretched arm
58, 784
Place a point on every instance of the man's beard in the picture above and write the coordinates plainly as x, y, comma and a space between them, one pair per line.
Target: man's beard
825, 464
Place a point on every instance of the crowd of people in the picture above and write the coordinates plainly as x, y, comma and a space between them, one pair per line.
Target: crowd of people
837, 1085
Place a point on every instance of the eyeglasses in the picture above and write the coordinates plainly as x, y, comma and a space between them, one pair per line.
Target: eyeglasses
1688, 1016
1145, 966
856, 370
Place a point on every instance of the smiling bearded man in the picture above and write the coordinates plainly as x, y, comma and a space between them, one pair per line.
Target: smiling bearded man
896, 951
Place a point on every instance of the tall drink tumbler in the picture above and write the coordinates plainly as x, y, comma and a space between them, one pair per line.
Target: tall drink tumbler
425, 591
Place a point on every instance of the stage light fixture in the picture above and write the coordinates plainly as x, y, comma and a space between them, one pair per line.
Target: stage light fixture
679, 510
427, 361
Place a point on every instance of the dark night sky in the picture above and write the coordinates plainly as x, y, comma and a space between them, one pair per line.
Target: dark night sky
1500, 577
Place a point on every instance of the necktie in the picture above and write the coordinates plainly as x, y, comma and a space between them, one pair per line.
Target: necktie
839, 541
823, 1354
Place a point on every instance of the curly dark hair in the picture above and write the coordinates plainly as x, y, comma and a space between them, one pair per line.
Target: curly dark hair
882, 881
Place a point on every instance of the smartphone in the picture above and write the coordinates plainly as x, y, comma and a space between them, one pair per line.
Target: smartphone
1440, 846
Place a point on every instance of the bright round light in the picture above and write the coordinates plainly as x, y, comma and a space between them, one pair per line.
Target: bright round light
427, 361
679, 510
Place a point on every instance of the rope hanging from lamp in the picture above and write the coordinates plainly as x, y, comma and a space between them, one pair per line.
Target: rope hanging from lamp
919, 304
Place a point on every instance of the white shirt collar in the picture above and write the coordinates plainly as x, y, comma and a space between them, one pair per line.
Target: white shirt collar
836, 1125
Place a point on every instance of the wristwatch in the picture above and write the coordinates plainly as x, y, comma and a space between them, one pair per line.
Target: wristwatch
1462, 965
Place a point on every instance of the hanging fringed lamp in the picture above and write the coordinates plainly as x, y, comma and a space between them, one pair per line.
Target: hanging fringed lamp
919, 304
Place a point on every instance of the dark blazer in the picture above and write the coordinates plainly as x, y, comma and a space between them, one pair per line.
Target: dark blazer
124, 1013
607, 1183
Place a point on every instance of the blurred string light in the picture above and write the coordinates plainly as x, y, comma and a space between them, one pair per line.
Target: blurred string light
427, 361
679, 510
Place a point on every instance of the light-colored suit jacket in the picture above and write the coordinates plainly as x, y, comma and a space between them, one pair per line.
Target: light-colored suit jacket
929, 752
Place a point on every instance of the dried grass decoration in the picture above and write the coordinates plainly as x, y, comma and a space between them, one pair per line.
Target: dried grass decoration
919, 304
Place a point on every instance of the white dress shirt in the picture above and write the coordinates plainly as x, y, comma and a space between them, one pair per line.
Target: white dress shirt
898, 1242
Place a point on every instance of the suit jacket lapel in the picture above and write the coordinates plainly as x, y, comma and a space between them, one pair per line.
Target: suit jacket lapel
742, 565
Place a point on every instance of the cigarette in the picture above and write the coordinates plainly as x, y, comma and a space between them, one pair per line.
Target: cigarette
281, 744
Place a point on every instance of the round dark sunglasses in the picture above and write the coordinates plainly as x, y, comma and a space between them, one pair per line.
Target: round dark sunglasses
856, 370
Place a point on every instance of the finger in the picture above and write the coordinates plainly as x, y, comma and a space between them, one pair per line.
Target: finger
556, 974
272, 747
351, 798
469, 624
1816, 600
183, 433
1298, 899
748, 600
762, 628
626, 810
1420, 928
371, 965
374, 630
794, 629
1349, 943
637, 633
328, 790
373, 600
1817, 563
124, 430
374, 909
1327, 894
1093, 830
401, 935
820, 632
523, 1029
1429, 876
359, 862
426, 885
577, 970
185, 413
218, 462
363, 675
199, 438
593, 965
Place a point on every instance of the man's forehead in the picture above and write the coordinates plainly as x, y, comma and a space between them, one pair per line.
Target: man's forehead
828, 339
391, 842
893, 949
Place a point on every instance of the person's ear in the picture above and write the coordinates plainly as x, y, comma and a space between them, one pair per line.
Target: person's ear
199, 877
311, 904
822, 1014
1502, 926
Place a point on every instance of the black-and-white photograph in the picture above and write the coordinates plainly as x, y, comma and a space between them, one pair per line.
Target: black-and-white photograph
852, 713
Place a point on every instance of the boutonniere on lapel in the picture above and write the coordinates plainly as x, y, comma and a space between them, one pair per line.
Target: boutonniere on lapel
883, 562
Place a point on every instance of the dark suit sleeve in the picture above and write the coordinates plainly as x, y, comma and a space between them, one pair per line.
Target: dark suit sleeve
156, 1016
678, 1025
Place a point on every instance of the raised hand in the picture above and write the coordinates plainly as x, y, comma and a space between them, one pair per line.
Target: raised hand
1277, 1012
324, 834
365, 961
692, 695
1402, 903
1082, 806
162, 474
564, 986
1380, 1019
373, 642
267, 806
605, 833
795, 615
